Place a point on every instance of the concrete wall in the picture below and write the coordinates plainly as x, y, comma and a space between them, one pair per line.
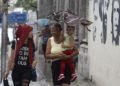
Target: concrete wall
104, 42
44, 8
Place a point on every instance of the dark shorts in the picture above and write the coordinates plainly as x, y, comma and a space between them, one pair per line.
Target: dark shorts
19, 74
56, 71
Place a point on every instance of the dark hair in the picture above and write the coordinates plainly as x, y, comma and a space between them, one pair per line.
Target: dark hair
47, 26
58, 26
70, 26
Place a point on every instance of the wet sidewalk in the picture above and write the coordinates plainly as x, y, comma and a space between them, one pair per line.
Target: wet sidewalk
44, 82
76, 83
44, 77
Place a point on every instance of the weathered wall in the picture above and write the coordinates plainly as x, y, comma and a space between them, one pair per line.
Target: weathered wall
104, 42
45, 7
76, 6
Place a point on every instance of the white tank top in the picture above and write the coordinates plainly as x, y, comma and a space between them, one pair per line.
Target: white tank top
55, 48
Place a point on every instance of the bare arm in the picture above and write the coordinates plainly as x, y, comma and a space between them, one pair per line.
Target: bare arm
10, 63
35, 54
34, 63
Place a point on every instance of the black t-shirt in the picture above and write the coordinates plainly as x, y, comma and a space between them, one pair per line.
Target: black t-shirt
23, 55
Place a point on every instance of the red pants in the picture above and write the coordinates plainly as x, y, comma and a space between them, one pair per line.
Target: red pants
68, 62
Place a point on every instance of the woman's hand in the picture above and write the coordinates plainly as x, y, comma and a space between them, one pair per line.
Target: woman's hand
34, 64
64, 56
6, 75
61, 55
67, 57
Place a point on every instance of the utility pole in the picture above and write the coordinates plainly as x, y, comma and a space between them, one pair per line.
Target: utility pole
4, 37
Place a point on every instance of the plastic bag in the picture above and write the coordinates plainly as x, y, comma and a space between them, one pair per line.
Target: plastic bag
40, 67
38, 43
43, 69
47, 71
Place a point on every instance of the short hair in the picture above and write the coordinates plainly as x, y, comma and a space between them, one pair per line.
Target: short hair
58, 26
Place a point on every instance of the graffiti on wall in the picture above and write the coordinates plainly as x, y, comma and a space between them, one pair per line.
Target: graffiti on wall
115, 20
95, 13
101, 7
103, 10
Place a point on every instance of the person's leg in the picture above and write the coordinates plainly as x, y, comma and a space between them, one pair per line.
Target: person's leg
65, 85
26, 76
72, 66
72, 69
55, 73
66, 80
16, 77
25, 82
16, 83
62, 69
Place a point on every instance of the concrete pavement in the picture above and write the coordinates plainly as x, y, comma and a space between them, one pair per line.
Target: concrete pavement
44, 76
76, 83
45, 79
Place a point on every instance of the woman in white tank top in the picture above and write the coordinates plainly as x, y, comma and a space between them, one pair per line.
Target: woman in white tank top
54, 52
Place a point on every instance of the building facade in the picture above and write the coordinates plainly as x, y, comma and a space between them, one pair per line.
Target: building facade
99, 57
104, 42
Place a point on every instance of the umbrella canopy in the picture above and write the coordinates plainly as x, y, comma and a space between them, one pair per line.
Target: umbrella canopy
42, 22
70, 18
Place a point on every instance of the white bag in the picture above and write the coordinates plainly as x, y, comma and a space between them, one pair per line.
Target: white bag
43, 69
